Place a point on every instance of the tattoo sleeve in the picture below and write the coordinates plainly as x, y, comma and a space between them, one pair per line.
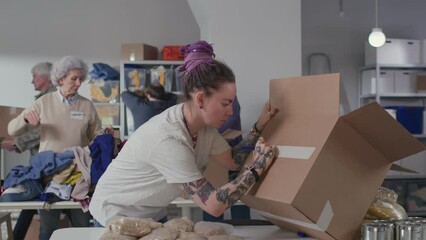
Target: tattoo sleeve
228, 195
239, 154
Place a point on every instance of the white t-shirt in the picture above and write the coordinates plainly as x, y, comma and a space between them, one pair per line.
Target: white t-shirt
143, 179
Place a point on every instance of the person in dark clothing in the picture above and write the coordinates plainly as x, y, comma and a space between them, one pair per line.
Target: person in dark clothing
148, 103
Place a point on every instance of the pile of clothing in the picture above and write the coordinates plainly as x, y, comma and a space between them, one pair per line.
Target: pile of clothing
53, 177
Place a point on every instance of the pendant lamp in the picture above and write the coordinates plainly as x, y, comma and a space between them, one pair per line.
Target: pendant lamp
377, 38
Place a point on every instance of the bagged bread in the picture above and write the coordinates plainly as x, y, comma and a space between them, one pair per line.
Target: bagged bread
208, 229
385, 207
130, 226
180, 224
387, 210
161, 234
191, 236
386, 195
108, 235
225, 237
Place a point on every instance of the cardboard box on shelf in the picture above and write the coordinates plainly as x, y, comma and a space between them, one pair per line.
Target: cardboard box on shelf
329, 167
405, 81
386, 79
421, 83
7, 113
138, 51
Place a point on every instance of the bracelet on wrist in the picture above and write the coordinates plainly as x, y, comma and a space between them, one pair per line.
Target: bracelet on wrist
255, 131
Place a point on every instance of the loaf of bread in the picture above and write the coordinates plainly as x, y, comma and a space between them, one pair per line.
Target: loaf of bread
387, 210
180, 224
130, 226
386, 195
191, 236
208, 229
108, 235
225, 237
161, 234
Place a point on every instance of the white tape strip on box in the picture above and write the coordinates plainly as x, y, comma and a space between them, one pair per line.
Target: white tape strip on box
321, 225
295, 152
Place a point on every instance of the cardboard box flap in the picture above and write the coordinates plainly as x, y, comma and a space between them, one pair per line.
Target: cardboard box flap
396, 167
383, 132
295, 127
308, 95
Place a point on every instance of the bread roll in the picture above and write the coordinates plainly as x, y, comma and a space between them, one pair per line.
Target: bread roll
161, 234
108, 235
191, 236
208, 229
387, 210
136, 227
225, 237
386, 194
180, 224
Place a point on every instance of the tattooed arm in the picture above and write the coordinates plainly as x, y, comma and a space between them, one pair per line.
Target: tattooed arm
215, 201
240, 152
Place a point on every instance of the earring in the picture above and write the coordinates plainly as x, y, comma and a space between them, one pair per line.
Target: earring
201, 106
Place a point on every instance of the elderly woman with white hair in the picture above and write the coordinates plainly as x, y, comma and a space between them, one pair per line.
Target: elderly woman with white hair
66, 119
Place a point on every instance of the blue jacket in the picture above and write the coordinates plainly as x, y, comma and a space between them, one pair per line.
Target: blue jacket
102, 153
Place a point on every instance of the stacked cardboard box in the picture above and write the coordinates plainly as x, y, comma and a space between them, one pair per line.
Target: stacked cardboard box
7, 113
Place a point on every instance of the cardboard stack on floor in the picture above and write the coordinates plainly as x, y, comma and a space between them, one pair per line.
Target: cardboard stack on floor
329, 167
7, 113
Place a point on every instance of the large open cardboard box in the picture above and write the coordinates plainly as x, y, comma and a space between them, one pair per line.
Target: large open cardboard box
329, 167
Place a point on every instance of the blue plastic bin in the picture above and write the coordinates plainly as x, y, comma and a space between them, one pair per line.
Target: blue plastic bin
410, 117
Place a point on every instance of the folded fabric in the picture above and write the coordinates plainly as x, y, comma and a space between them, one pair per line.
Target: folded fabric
104, 71
63, 175
42, 164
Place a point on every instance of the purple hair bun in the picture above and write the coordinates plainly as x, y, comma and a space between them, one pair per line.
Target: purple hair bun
198, 54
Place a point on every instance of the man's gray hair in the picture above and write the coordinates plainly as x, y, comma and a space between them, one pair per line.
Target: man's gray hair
42, 68
62, 67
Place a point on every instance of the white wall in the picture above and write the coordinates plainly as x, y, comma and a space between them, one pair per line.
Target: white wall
259, 40
46, 30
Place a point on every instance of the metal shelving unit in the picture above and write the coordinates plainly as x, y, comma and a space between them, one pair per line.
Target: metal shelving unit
378, 96
125, 129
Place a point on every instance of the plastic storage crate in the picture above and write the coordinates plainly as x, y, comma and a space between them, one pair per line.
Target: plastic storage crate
105, 91
409, 117
172, 53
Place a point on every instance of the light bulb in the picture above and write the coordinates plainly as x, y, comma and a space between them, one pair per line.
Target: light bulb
376, 38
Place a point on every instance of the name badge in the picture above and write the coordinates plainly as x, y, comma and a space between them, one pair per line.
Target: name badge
77, 115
